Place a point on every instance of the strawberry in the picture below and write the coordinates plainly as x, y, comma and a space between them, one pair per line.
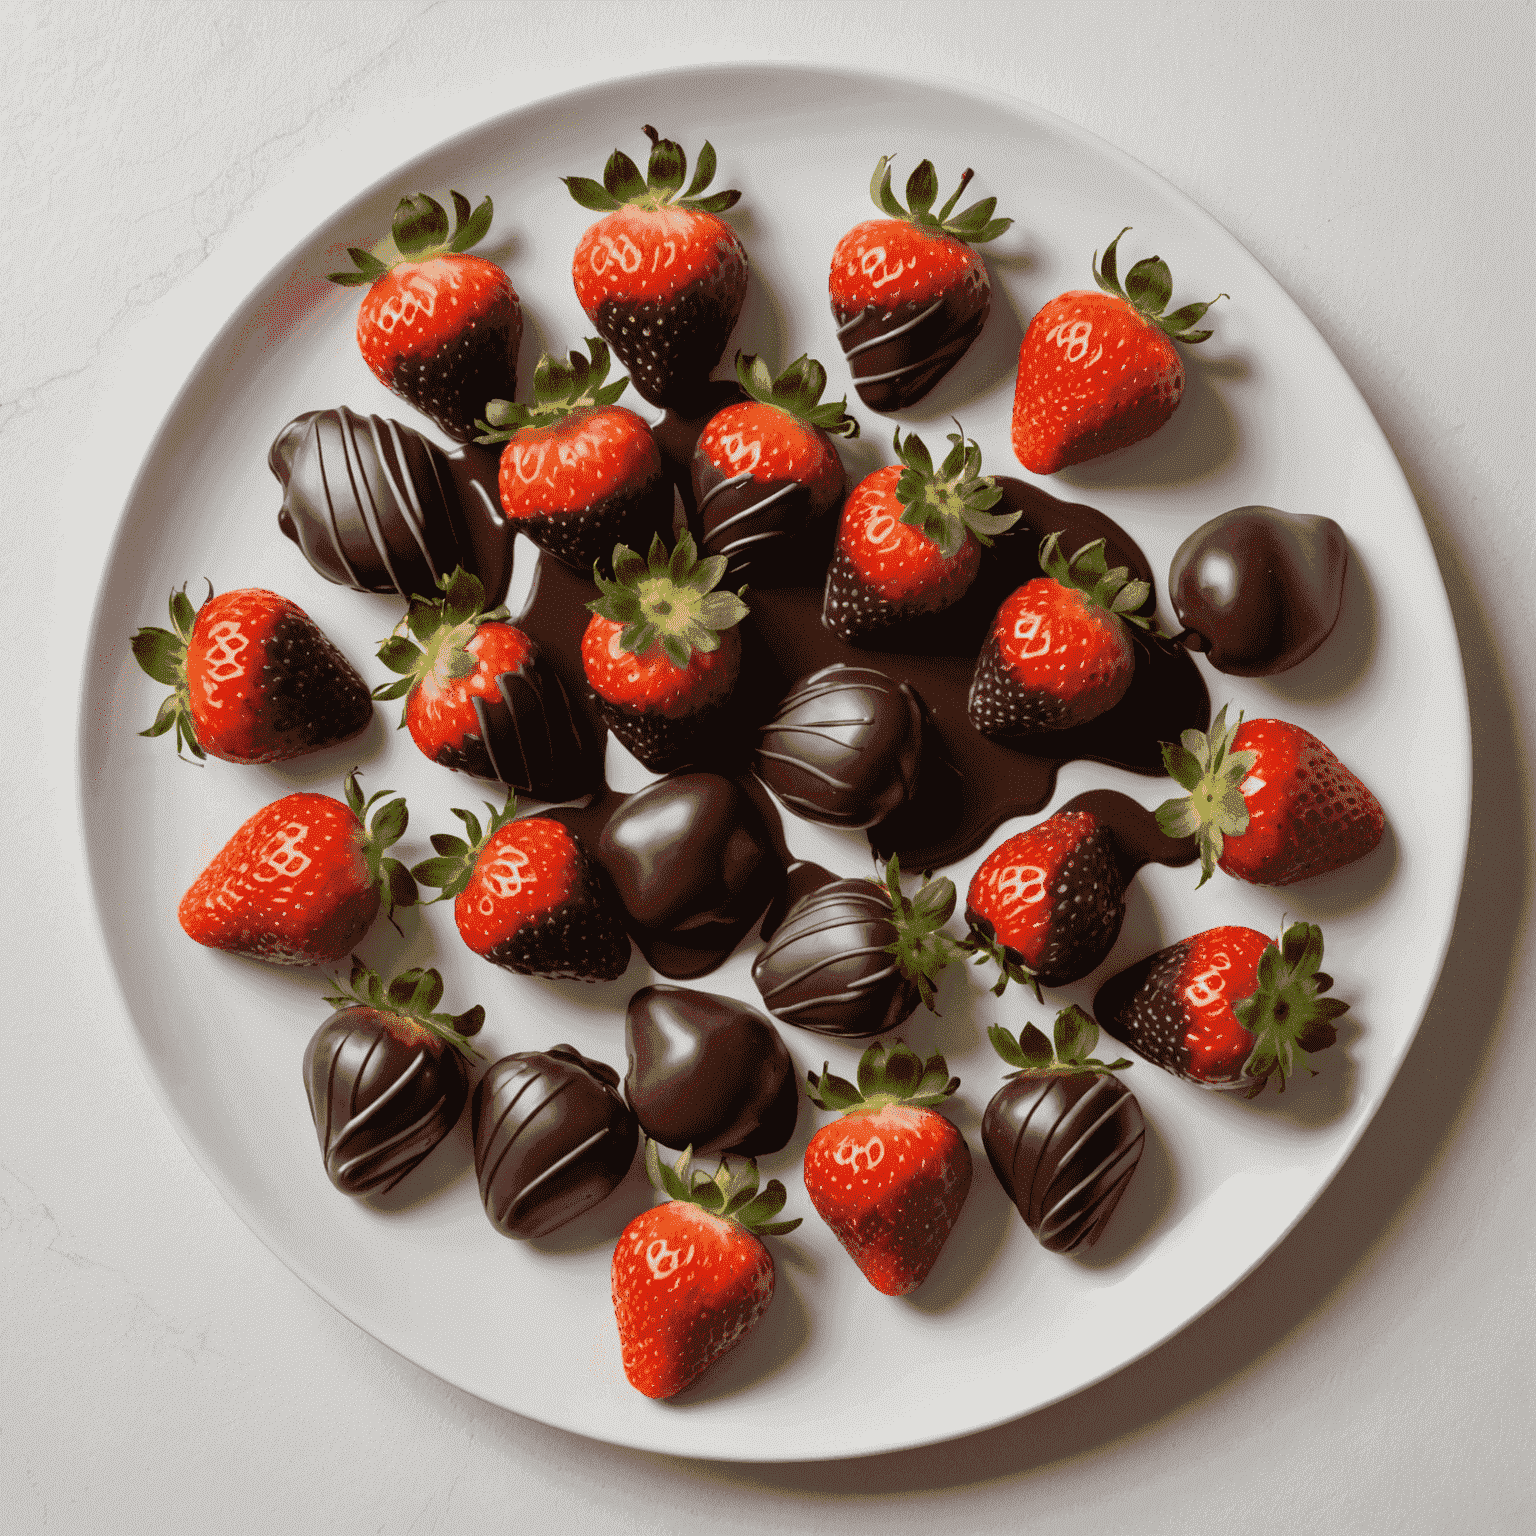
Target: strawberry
890, 1176
1058, 653
480, 696
528, 897
302, 880
909, 294
579, 472
1099, 371
662, 651
691, 1277
1227, 1008
660, 276
256, 681
1046, 905
765, 474
437, 327
384, 1076
1268, 802
910, 538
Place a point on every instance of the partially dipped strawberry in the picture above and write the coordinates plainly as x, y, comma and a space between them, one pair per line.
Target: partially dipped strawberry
302, 880
1099, 371
255, 679
1058, 653
579, 472
1267, 802
438, 327
527, 896
691, 1277
385, 1076
481, 697
910, 538
909, 293
1227, 1008
890, 1176
662, 651
766, 478
660, 275
1046, 905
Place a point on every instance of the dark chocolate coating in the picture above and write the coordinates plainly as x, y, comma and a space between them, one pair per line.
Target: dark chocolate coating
771, 532
553, 1137
827, 967
376, 506
845, 747
1259, 589
709, 1073
381, 1097
694, 865
1064, 1148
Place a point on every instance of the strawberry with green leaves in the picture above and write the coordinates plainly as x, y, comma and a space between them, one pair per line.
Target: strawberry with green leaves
438, 327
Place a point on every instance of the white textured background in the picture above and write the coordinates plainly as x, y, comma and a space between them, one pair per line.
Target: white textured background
160, 1371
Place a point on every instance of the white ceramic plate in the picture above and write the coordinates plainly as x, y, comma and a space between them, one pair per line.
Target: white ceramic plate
1001, 1327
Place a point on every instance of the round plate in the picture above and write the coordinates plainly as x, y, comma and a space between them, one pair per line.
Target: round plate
1001, 1327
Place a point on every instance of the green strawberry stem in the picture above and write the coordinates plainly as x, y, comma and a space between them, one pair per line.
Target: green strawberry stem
1204, 764
1148, 287
1069, 1053
448, 873
622, 184
1286, 1014
1089, 572
796, 392
444, 626
893, 1074
922, 949
419, 232
731, 1193
386, 827
413, 994
559, 390
988, 949
162, 654
975, 226
946, 503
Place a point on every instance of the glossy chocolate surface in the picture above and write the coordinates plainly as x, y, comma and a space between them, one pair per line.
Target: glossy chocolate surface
897, 356
709, 1073
770, 532
553, 1137
1064, 1148
381, 1098
1259, 589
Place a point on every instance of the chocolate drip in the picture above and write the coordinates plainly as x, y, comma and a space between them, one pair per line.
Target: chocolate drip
1136, 836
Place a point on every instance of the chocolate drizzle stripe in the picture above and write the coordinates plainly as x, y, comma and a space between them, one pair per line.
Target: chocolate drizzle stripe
488, 734
595, 1139
805, 767
534, 683
349, 462
405, 491
404, 1141
852, 994
373, 518
896, 373
753, 511
874, 341
848, 325
489, 1172
732, 484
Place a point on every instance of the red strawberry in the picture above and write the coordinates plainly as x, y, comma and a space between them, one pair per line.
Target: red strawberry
256, 681
480, 696
528, 897
661, 277
578, 473
890, 1177
910, 538
908, 293
662, 651
1268, 802
302, 880
1099, 371
691, 1277
765, 474
1227, 1008
1058, 653
1046, 905
439, 328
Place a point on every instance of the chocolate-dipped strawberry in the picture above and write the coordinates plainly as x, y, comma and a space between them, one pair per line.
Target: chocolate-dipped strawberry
845, 746
1063, 1134
854, 958
384, 1076
694, 864
553, 1138
766, 478
709, 1073
1258, 590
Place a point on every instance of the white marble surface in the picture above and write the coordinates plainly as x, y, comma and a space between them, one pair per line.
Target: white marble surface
159, 1370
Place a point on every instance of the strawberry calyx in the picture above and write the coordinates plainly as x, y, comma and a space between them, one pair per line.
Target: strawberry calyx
412, 995
419, 232
796, 392
947, 503
989, 949
1088, 571
449, 872
622, 184
1067, 1054
443, 628
668, 599
559, 390
1148, 287
887, 1075
1204, 764
1287, 1015
731, 1193
162, 653
974, 225
384, 828
921, 948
